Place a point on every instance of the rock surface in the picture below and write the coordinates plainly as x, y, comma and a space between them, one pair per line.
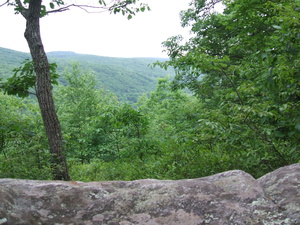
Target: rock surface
283, 187
232, 197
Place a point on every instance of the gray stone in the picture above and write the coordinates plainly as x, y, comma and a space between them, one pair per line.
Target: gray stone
282, 186
232, 197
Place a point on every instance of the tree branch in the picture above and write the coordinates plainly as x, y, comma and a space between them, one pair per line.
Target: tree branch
233, 86
4, 3
22, 9
87, 7
111, 6
83, 7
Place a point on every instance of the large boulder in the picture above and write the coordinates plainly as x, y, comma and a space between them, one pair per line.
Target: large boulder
232, 197
282, 186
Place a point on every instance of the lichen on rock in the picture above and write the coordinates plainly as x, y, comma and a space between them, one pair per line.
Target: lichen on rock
232, 197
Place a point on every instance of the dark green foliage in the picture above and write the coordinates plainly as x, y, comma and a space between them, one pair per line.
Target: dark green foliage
24, 79
23, 145
244, 66
234, 103
128, 78
95, 124
9, 60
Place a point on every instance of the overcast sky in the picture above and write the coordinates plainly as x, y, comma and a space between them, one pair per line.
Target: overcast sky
101, 34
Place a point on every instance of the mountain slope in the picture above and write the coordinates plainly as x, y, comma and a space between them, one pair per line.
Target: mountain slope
128, 78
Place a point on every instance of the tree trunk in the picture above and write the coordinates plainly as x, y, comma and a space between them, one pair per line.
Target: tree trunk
44, 90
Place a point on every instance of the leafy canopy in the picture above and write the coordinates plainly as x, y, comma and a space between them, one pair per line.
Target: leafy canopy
244, 66
24, 79
128, 7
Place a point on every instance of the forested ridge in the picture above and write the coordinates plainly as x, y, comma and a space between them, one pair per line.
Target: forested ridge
233, 104
128, 78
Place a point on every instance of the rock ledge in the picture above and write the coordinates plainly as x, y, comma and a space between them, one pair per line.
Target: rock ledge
232, 197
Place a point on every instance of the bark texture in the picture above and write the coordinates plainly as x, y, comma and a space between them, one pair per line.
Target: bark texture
44, 89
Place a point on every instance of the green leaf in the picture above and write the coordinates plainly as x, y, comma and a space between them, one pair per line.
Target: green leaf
43, 11
102, 2
277, 27
51, 5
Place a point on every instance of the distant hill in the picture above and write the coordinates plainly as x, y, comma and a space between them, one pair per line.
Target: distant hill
128, 78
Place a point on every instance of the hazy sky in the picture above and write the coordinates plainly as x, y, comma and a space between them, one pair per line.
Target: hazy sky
101, 34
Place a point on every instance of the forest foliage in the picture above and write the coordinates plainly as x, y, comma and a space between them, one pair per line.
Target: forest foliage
233, 104
128, 78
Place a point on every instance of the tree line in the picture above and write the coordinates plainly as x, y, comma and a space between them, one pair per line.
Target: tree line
234, 104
